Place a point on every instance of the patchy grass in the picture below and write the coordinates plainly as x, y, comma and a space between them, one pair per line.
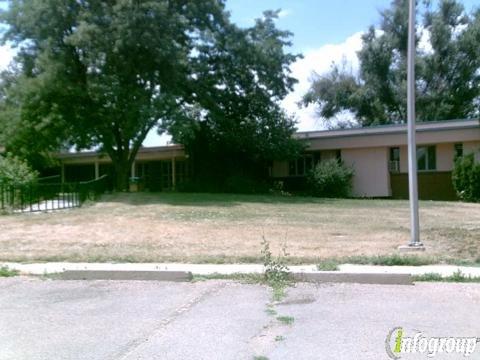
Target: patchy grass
7, 272
218, 228
270, 311
279, 338
328, 265
428, 277
278, 293
278, 289
385, 260
287, 320
332, 264
458, 277
393, 260
244, 278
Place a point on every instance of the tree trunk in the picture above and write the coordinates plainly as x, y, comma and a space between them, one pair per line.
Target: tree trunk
122, 172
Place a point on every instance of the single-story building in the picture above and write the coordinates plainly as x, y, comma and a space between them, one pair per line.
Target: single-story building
160, 167
378, 156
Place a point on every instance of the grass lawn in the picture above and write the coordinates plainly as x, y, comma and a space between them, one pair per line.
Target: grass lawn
148, 227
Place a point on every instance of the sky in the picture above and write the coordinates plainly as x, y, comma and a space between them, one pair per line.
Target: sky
324, 32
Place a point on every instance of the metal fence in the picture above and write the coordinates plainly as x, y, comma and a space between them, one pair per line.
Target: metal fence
40, 196
54, 179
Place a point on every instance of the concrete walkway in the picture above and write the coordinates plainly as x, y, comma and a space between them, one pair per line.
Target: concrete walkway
444, 270
226, 269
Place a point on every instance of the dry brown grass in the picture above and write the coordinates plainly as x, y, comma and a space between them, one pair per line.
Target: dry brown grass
217, 228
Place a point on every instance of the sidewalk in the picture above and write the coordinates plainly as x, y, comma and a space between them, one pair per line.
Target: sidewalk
227, 269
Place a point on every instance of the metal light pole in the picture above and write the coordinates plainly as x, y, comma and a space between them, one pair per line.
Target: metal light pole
412, 144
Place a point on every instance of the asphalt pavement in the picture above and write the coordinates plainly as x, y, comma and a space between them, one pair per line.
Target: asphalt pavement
55, 319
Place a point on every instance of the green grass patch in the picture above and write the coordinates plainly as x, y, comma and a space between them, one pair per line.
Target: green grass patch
7, 272
279, 338
462, 262
245, 278
457, 277
278, 293
392, 260
287, 320
328, 265
270, 311
331, 264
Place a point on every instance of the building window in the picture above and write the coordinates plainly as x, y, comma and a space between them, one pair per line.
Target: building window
426, 158
458, 150
394, 164
300, 166
395, 154
338, 155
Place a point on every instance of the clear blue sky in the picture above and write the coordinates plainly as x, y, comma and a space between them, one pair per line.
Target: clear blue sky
318, 22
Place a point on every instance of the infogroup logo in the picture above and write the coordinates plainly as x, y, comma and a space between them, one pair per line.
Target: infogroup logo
398, 344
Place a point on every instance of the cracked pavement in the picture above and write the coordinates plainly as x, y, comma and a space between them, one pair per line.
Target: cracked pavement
52, 319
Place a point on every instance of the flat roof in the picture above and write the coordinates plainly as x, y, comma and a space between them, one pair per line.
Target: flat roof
430, 126
142, 150
390, 129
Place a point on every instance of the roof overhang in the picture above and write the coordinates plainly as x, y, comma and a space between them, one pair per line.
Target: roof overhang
391, 129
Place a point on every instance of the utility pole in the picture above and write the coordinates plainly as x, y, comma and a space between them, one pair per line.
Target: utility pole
415, 243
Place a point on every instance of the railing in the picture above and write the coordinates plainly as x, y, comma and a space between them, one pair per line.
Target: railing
38, 196
50, 179
394, 166
91, 190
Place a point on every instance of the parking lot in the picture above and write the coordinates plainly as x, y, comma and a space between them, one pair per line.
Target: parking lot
53, 319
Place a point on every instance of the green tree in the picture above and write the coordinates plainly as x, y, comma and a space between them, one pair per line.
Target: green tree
331, 178
242, 127
15, 171
466, 178
447, 74
102, 74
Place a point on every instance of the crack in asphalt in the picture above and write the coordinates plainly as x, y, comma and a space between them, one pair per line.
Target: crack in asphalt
266, 339
158, 330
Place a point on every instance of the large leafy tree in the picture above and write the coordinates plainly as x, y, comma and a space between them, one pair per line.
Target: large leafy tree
102, 74
447, 69
242, 126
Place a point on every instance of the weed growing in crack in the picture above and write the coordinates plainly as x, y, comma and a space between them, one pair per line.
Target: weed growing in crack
287, 320
270, 311
276, 273
7, 272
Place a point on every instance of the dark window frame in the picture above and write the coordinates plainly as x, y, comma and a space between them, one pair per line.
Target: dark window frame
458, 150
395, 153
301, 166
430, 156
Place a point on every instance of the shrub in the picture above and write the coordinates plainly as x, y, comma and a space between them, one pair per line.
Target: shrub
330, 178
466, 178
278, 189
15, 171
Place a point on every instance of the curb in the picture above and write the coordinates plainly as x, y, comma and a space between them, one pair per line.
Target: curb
176, 276
358, 278
186, 276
